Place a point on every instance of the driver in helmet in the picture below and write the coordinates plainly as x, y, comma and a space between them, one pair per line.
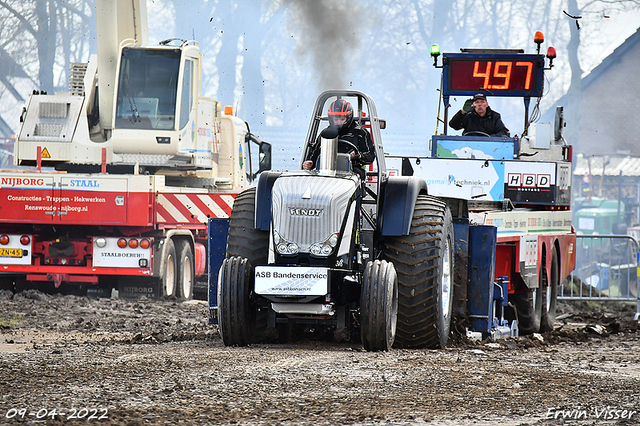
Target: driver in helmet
341, 119
477, 116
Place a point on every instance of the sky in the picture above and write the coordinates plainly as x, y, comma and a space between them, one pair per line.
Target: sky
615, 30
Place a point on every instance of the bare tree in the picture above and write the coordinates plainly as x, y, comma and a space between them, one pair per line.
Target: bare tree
53, 31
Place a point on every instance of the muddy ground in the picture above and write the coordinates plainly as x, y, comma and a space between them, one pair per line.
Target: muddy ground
159, 362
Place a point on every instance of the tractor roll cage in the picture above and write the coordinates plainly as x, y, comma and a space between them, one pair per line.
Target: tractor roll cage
363, 103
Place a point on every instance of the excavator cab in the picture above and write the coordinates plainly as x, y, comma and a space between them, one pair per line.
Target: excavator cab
148, 89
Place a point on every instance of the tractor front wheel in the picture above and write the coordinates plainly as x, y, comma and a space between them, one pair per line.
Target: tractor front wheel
236, 315
379, 306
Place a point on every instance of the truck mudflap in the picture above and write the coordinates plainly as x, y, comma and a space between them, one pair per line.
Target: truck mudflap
218, 230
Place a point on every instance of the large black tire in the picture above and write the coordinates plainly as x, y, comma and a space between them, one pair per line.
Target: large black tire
550, 295
424, 264
168, 282
236, 315
379, 306
244, 239
186, 270
529, 307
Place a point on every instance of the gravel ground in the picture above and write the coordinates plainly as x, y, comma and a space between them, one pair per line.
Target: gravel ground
143, 362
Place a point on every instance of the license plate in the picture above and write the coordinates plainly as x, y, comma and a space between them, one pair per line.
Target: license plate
10, 252
291, 281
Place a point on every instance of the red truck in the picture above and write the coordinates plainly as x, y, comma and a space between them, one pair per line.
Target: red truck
114, 182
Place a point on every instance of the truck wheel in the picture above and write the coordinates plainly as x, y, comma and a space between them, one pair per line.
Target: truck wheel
424, 263
550, 295
168, 280
379, 306
244, 239
529, 308
186, 267
234, 306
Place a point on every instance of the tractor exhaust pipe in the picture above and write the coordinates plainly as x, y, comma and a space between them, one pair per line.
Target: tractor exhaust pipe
328, 156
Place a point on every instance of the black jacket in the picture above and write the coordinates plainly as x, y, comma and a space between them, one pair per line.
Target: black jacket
490, 124
356, 135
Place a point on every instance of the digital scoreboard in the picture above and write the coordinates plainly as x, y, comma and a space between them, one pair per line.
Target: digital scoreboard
494, 74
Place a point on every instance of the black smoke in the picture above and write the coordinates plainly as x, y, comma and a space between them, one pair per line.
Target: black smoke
328, 32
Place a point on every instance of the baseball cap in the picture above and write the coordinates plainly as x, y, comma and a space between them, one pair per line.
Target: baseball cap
479, 96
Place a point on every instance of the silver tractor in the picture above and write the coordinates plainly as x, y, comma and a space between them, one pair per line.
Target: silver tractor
326, 247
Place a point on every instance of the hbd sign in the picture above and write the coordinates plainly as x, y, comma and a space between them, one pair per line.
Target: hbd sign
529, 180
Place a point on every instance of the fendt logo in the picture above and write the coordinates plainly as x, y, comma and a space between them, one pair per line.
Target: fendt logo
529, 180
13, 182
295, 211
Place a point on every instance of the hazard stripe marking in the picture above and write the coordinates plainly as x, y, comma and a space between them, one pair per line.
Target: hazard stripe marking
228, 199
171, 210
213, 207
193, 209
184, 206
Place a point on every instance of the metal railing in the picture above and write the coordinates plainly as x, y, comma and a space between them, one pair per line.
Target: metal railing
607, 269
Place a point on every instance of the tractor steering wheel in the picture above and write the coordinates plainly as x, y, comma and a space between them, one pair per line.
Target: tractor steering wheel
351, 146
475, 133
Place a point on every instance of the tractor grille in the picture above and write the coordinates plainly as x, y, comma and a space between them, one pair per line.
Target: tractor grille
308, 209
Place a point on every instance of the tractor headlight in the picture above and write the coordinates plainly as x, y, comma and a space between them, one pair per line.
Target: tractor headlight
287, 248
283, 246
324, 248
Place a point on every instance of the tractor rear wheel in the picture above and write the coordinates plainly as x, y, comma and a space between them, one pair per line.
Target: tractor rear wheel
379, 306
424, 264
244, 239
236, 315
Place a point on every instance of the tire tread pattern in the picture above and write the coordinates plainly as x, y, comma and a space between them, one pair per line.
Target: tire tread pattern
378, 306
169, 256
417, 259
548, 317
247, 242
233, 297
184, 250
244, 239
